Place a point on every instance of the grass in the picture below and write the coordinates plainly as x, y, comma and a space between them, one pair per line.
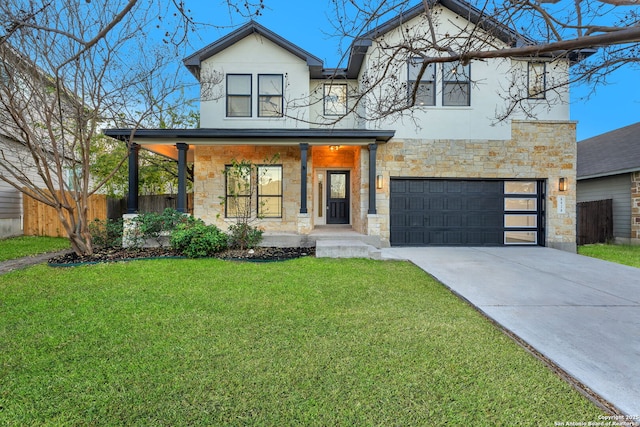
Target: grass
17, 247
621, 254
303, 342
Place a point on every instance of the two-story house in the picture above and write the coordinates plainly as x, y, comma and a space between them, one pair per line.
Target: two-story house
446, 173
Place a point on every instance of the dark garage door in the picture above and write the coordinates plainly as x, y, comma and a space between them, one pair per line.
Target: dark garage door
462, 212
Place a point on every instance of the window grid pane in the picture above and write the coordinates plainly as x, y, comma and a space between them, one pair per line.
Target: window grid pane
270, 95
237, 192
456, 89
520, 187
521, 221
238, 95
536, 80
514, 204
270, 191
425, 87
520, 237
335, 99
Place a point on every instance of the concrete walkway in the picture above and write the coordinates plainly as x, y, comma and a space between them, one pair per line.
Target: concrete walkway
20, 263
581, 313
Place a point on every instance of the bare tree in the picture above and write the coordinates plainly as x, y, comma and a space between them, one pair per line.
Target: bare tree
68, 68
593, 36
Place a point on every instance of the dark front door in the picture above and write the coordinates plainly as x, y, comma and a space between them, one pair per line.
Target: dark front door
337, 197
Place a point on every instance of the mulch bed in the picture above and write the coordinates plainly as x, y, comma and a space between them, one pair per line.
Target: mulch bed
260, 254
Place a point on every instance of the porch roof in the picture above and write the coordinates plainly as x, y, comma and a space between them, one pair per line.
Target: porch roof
163, 141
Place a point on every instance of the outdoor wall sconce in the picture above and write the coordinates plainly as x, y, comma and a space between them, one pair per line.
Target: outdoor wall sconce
562, 184
334, 147
379, 182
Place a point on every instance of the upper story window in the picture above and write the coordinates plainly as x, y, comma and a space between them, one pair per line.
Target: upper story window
537, 80
456, 84
335, 99
270, 91
425, 83
238, 95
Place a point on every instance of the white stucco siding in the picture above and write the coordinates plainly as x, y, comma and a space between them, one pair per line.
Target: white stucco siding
317, 113
491, 81
255, 55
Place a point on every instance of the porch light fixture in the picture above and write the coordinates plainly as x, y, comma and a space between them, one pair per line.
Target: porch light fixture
334, 147
379, 182
562, 184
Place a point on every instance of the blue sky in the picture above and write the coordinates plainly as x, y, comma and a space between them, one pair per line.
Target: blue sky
306, 24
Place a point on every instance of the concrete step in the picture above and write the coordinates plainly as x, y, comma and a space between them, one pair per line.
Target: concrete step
346, 248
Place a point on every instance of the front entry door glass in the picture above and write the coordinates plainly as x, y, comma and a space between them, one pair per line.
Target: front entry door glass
337, 197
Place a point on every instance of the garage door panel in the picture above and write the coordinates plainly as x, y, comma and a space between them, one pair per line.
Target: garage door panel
415, 203
455, 203
398, 220
398, 203
435, 187
416, 186
398, 186
447, 212
436, 203
416, 220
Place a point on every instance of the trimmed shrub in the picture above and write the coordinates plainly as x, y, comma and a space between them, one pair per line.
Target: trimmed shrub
194, 239
244, 236
153, 225
106, 233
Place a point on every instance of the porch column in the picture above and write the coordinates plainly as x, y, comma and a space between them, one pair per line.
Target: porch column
304, 147
373, 148
132, 199
182, 178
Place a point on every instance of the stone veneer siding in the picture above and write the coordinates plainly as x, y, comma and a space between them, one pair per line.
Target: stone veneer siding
209, 182
635, 207
543, 150
538, 150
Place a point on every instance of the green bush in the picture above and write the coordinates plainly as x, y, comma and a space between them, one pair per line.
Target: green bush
152, 225
106, 233
244, 236
194, 239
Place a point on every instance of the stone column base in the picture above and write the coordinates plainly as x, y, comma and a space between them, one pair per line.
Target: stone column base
129, 231
304, 223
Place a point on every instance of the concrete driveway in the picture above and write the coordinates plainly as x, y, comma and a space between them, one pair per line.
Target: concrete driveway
581, 313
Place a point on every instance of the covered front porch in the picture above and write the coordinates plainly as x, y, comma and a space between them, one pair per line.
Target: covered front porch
325, 185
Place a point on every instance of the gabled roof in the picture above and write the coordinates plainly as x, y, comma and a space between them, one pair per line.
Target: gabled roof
462, 8
193, 61
611, 153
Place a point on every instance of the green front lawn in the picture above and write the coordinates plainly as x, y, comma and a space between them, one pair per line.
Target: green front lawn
17, 247
303, 342
622, 254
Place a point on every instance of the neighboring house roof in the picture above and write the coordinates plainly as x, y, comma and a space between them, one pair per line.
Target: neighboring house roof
611, 153
193, 61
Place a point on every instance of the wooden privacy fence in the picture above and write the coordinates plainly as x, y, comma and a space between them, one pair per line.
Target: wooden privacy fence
595, 222
147, 204
42, 220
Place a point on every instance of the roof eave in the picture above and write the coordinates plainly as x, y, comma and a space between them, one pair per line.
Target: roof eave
185, 135
194, 61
